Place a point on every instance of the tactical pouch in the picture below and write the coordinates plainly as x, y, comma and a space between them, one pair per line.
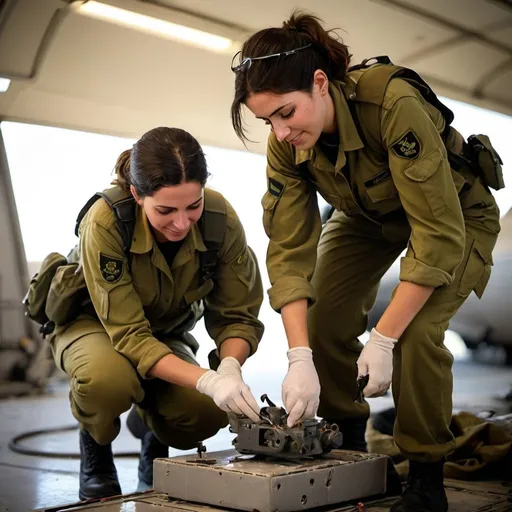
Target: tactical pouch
488, 161
37, 294
66, 294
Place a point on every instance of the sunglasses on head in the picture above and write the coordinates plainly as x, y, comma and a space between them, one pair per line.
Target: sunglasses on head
246, 62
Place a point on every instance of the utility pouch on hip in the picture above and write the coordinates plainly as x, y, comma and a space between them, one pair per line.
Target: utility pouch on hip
488, 161
66, 294
37, 294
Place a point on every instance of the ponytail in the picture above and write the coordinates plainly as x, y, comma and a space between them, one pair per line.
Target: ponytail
336, 53
122, 170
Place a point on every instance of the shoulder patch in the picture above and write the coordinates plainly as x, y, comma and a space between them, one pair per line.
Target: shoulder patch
111, 268
275, 188
242, 259
407, 146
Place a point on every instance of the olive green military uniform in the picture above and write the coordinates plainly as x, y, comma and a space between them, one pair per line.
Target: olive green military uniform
403, 197
142, 310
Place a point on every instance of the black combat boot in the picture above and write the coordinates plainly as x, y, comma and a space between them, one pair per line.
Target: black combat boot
425, 490
353, 431
151, 447
98, 475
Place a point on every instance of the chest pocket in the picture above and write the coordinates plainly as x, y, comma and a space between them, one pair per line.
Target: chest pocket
380, 187
269, 203
197, 294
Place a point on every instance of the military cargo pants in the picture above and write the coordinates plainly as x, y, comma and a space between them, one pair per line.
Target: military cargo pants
353, 255
104, 384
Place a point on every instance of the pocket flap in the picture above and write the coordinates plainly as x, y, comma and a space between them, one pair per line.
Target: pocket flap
484, 252
424, 169
269, 201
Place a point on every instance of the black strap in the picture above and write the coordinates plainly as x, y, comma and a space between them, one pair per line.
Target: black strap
381, 59
124, 211
210, 225
84, 210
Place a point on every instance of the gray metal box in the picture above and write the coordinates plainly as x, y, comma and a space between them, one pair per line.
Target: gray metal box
239, 482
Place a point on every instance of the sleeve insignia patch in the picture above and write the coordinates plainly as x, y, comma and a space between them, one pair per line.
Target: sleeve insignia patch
242, 259
111, 268
407, 146
275, 188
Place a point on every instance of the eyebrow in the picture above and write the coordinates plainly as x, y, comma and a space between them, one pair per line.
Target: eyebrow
173, 207
275, 111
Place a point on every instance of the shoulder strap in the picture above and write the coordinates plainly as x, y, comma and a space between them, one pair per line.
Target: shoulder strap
122, 204
370, 92
213, 228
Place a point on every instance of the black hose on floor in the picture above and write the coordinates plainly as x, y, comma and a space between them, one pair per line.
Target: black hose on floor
15, 444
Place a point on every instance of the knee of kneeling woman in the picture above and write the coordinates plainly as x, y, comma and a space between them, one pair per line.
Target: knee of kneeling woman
103, 390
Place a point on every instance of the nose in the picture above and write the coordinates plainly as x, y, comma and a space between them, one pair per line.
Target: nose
182, 221
281, 131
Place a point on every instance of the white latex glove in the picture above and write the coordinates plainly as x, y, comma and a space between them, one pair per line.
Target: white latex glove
230, 366
229, 392
376, 359
301, 387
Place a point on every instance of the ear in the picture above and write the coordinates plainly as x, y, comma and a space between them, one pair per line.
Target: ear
135, 195
321, 82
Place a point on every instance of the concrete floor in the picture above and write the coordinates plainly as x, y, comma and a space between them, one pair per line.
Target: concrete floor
28, 482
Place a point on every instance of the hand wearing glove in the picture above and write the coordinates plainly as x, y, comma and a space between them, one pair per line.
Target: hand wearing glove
230, 366
301, 387
229, 392
376, 360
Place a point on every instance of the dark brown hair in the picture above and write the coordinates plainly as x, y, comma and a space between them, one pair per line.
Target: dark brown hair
161, 157
291, 72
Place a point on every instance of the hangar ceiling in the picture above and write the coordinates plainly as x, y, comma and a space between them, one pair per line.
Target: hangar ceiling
74, 71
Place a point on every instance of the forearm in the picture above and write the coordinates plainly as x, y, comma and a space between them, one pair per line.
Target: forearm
294, 317
176, 371
237, 348
405, 305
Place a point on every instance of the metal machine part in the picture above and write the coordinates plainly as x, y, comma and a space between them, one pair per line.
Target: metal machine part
202, 459
272, 437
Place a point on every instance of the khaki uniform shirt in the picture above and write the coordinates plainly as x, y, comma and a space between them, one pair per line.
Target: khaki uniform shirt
139, 304
410, 184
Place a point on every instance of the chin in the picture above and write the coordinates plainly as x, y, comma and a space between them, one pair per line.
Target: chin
172, 237
175, 238
307, 142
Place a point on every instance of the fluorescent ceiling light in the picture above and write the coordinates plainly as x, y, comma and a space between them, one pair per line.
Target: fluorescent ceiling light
4, 84
155, 26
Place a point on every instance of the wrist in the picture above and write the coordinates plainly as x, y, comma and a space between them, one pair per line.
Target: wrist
205, 381
296, 354
238, 348
230, 365
375, 335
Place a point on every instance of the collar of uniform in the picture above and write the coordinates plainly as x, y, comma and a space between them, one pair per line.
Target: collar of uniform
302, 155
349, 137
143, 239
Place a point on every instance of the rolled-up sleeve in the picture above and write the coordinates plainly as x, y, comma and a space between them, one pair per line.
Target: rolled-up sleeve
114, 298
292, 222
232, 308
423, 178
